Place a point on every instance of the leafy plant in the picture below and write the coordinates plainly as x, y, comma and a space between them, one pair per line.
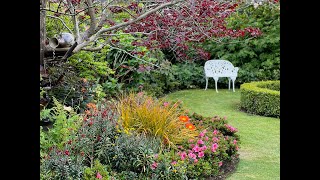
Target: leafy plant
66, 123
153, 117
98, 171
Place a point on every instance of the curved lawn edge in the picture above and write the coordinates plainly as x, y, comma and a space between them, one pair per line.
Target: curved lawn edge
260, 136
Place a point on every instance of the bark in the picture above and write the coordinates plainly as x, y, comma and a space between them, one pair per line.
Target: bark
42, 31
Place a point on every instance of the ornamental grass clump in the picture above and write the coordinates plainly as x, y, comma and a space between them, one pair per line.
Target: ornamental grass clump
157, 118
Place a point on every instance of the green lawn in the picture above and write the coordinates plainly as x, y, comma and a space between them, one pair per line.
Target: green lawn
260, 136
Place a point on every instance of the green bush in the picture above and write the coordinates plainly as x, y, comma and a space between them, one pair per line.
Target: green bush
261, 97
258, 59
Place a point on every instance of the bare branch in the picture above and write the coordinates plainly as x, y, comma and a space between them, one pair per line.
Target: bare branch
44, 9
93, 20
75, 22
112, 47
62, 22
121, 25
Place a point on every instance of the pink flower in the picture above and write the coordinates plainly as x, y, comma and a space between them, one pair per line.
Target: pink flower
183, 155
237, 148
190, 140
195, 161
165, 104
192, 156
180, 147
204, 131
154, 165
215, 132
203, 148
156, 156
99, 176
206, 138
174, 162
215, 139
140, 94
214, 147
196, 149
191, 145
200, 154
234, 141
200, 141
201, 134
230, 128
220, 163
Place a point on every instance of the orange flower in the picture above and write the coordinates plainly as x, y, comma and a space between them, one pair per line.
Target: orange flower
91, 106
190, 126
184, 118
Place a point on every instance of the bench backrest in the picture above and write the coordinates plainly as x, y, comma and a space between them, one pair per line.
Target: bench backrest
219, 68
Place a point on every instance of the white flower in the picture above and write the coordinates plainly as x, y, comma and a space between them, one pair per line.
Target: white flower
67, 108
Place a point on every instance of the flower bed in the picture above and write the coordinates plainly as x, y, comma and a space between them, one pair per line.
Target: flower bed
129, 139
261, 97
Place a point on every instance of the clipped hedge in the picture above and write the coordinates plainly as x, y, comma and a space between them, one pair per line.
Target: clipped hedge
261, 98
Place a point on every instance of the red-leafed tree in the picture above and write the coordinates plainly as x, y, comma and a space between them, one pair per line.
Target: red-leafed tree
173, 25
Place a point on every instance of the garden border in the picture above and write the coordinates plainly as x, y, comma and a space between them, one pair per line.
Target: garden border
258, 98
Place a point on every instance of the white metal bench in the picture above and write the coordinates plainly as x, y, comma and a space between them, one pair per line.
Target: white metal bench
220, 68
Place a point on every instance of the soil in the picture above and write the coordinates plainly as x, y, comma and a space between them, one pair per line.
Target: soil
227, 169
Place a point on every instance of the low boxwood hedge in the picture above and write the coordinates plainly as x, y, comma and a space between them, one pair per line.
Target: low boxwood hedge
261, 98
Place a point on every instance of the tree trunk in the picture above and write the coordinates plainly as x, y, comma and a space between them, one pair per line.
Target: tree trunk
42, 30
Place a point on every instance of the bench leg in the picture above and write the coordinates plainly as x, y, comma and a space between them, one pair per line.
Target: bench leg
233, 85
233, 80
229, 82
206, 83
216, 83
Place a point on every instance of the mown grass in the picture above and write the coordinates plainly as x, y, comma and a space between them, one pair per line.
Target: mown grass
260, 136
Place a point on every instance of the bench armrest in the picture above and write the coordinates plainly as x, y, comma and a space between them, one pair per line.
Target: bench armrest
235, 70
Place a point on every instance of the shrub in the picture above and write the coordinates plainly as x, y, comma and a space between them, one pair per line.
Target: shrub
213, 152
258, 58
132, 153
96, 133
62, 164
261, 97
153, 117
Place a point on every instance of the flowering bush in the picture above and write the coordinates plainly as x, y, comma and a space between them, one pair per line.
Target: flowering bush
102, 149
213, 151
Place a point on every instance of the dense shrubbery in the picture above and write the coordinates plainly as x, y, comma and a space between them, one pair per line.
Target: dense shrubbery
104, 146
258, 58
262, 98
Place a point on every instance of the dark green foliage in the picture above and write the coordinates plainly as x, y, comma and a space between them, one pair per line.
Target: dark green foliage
172, 77
258, 58
262, 98
131, 153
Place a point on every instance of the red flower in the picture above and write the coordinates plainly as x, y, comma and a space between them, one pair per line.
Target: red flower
184, 118
67, 153
82, 153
